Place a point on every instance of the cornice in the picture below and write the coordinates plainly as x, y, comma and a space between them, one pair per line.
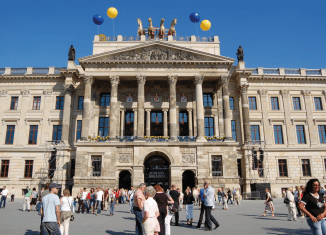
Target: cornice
286, 77
31, 77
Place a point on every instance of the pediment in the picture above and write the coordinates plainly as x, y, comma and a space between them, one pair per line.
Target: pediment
155, 52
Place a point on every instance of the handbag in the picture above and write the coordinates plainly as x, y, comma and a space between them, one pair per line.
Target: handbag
286, 200
72, 218
172, 208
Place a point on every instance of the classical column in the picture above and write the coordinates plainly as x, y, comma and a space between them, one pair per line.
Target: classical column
266, 123
135, 122
69, 88
148, 122
245, 112
313, 133
290, 130
88, 81
122, 123
113, 107
165, 122
200, 108
140, 107
226, 108
190, 121
178, 121
173, 107
216, 125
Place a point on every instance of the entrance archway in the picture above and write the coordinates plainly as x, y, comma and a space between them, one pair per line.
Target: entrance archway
157, 171
188, 179
125, 179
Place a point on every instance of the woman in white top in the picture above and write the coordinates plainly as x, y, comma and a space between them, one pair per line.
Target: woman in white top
292, 212
269, 203
65, 214
150, 212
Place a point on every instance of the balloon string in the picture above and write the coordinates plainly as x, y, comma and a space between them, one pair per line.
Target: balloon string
113, 28
197, 29
98, 29
210, 32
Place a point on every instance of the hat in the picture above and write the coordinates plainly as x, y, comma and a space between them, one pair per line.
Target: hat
54, 185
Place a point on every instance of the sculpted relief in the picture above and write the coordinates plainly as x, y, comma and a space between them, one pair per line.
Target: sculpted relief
125, 157
156, 54
188, 158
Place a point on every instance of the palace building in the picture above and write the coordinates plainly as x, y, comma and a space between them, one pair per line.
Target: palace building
169, 110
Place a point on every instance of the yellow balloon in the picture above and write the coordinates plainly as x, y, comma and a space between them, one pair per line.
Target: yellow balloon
112, 12
205, 25
102, 37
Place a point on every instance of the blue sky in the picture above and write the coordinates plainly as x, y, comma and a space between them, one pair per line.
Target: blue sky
273, 33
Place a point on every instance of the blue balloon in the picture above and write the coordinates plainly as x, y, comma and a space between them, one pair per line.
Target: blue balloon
98, 19
194, 17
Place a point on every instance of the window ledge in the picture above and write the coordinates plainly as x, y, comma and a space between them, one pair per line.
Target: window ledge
4, 179
305, 177
284, 178
25, 179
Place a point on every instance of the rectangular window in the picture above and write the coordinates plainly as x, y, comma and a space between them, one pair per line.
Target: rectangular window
129, 124
183, 123
28, 169
306, 167
33, 135
103, 128
14, 103
282, 168
208, 101
239, 167
209, 126
300, 134
72, 168
4, 168
274, 102
231, 103
105, 99
217, 169
80, 102
57, 131
296, 103
10, 134
52, 164
278, 135
255, 135
234, 130
252, 103
36, 103
79, 129
156, 123
96, 165
322, 134
318, 103
59, 102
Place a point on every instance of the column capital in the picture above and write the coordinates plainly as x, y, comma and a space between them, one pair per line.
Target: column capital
263, 92
141, 79
123, 110
88, 79
114, 80
147, 110
284, 92
165, 110
242, 89
135, 110
199, 79
172, 79
306, 92
69, 88
189, 110
225, 80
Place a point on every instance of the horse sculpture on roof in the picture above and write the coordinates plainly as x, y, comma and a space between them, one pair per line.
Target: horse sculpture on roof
140, 30
172, 28
161, 32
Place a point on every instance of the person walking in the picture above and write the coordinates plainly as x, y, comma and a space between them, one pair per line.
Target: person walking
113, 204
139, 200
4, 194
80, 202
296, 199
167, 221
131, 193
34, 196
175, 197
27, 200
12, 194
50, 211
188, 205
237, 197
313, 206
84, 199
180, 198
292, 212
224, 199
45, 192
229, 196
66, 212
195, 194
233, 193
209, 194
99, 199
92, 200
269, 203
150, 212
202, 208
219, 195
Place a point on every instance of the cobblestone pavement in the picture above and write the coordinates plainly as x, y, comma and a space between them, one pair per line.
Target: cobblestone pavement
239, 220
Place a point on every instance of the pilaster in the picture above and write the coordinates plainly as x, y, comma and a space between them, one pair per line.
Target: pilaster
113, 107
140, 107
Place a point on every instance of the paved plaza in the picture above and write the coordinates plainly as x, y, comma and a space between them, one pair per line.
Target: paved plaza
239, 220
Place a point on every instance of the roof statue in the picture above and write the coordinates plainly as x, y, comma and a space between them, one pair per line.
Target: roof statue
150, 29
172, 28
240, 53
71, 53
161, 32
140, 30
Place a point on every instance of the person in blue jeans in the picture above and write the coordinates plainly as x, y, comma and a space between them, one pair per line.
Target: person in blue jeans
113, 204
4, 194
99, 199
50, 211
312, 204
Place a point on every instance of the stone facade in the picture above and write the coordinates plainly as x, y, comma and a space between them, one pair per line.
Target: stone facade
172, 78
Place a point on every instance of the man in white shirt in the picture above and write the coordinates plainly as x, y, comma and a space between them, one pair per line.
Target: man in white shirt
84, 198
131, 193
209, 202
99, 199
4, 194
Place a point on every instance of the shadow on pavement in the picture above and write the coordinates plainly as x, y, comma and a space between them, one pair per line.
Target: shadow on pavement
30, 232
288, 231
120, 233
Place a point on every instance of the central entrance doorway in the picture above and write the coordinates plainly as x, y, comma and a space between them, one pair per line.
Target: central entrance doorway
157, 171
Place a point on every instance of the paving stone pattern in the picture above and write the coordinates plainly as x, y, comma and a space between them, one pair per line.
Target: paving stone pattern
239, 220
